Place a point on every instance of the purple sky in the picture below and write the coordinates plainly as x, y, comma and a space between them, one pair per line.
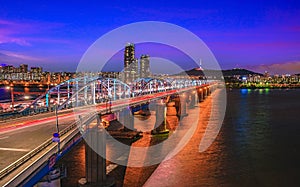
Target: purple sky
257, 35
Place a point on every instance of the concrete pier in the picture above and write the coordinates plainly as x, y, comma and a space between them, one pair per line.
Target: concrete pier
127, 119
160, 122
95, 164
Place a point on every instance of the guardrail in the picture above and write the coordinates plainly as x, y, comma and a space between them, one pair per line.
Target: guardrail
44, 109
35, 151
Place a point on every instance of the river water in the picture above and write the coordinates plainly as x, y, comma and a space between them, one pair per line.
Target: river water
5, 94
258, 144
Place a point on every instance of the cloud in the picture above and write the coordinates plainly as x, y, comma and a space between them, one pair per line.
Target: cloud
279, 68
9, 56
22, 32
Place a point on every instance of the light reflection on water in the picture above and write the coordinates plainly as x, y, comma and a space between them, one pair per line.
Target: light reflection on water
258, 144
261, 132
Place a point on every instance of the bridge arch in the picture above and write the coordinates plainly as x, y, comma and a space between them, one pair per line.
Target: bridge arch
149, 85
98, 91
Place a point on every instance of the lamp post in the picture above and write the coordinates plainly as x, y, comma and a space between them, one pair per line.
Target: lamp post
11, 88
57, 129
56, 115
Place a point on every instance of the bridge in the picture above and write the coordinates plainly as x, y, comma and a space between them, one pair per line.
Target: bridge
79, 105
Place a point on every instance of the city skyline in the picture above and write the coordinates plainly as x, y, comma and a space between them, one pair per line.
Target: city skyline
260, 36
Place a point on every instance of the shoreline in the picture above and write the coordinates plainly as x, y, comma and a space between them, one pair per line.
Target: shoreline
263, 87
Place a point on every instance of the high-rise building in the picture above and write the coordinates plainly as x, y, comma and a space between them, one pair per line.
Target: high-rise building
128, 54
144, 66
130, 63
134, 69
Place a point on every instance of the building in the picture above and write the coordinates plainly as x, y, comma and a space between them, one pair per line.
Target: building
130, 63
8, 69
128, 54
23, 68
36, 70
144, 66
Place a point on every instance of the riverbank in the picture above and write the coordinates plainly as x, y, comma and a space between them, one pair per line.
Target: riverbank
262, 86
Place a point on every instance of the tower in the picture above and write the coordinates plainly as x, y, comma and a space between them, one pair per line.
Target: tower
144, 66
130, 63
128, 55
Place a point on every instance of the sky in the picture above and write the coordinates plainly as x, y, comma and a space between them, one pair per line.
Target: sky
256, 35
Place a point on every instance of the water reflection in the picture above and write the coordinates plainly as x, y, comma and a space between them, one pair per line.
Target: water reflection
258, 144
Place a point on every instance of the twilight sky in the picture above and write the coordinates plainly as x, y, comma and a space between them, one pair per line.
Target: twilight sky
257, 35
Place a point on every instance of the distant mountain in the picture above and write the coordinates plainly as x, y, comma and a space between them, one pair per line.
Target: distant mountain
226, 73
192, 72
238, 71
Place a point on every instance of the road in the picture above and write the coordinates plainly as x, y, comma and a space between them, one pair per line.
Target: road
17, 142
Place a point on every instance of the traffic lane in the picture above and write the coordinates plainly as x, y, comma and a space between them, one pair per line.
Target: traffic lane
33, 117
34, 121
17, 143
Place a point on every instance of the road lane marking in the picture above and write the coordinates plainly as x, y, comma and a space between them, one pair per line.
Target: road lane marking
13, 149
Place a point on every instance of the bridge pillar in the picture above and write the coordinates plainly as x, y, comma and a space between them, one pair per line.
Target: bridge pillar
194, 99
127, 119
208, 91
95, 164
182, 112
171, 109
160, 122
200, 94
204, 93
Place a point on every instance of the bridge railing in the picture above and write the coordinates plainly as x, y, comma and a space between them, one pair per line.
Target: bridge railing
93, 90
38, 149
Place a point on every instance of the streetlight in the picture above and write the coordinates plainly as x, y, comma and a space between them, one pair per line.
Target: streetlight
57, 135
11, 88
56, 115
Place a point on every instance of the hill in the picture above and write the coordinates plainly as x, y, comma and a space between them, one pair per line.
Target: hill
226, 73
238, 71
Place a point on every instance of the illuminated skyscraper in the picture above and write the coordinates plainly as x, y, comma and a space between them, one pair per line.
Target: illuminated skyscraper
144, 66
130, 63
128, 55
